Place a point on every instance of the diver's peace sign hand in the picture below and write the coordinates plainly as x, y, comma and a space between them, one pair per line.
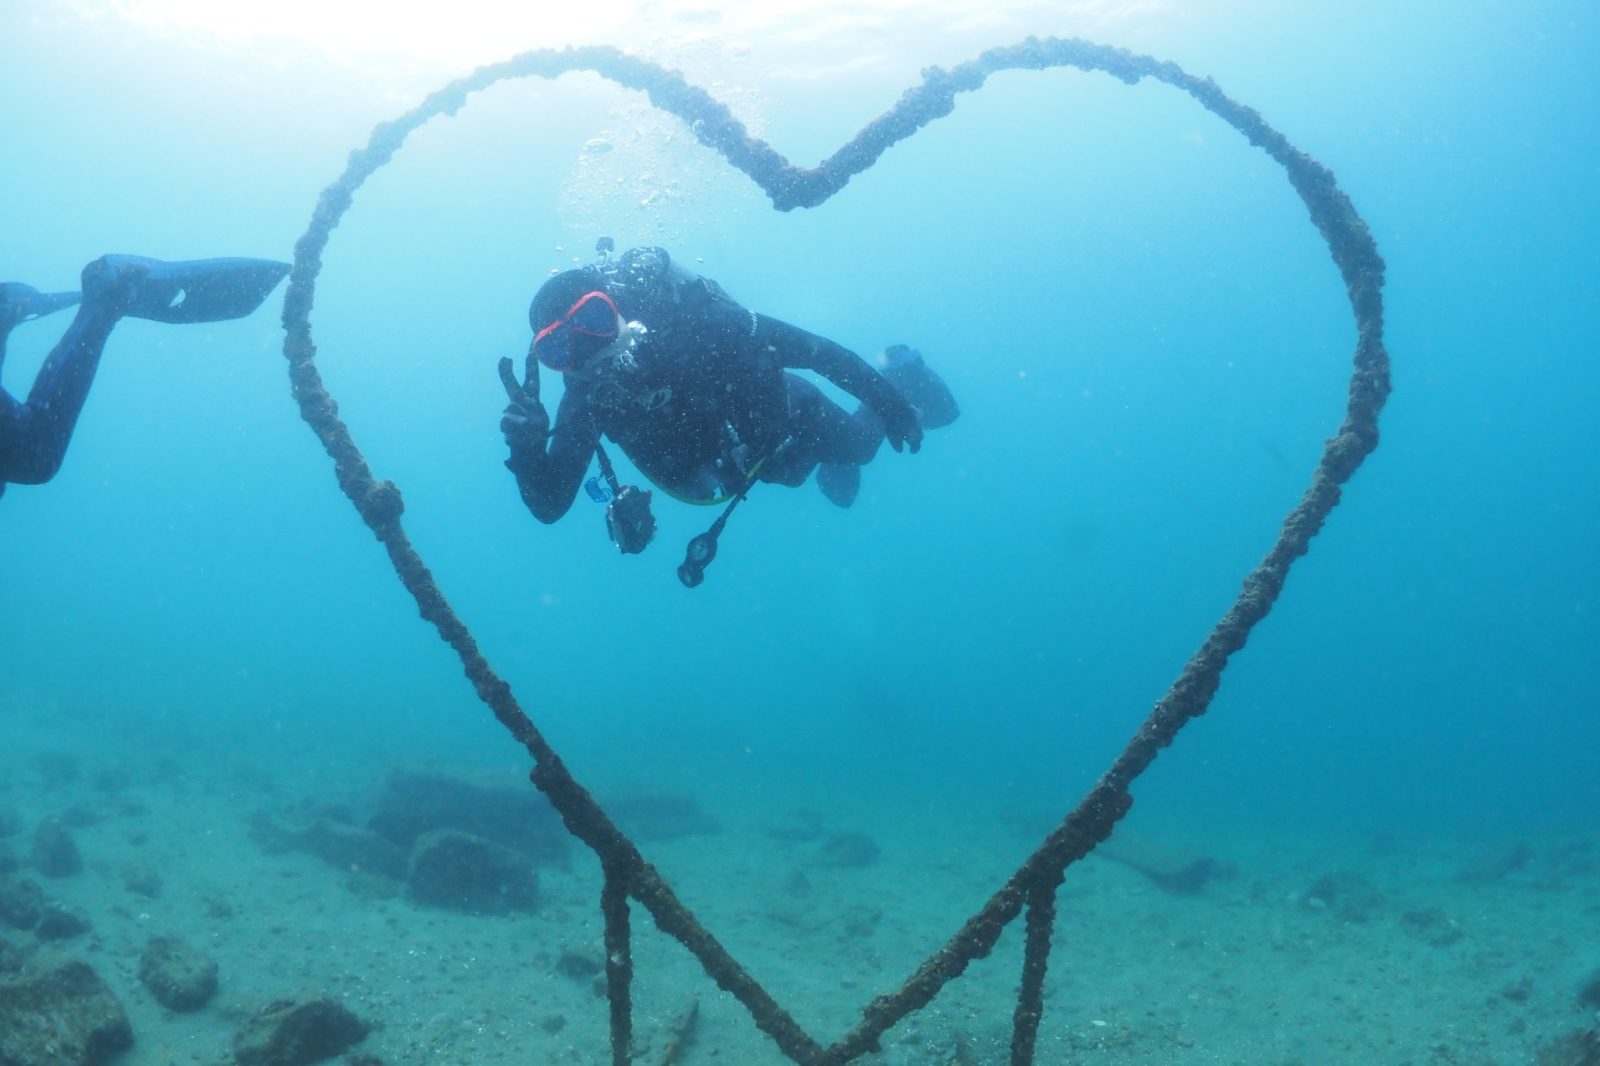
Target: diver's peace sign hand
524, 423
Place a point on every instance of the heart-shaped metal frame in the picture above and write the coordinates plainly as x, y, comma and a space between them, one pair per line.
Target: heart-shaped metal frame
627, 874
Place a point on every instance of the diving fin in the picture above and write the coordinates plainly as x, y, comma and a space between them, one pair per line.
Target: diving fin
839, 482
22, 303
922, 388
193, 290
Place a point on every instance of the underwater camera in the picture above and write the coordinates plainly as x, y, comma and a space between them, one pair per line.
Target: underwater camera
629, 521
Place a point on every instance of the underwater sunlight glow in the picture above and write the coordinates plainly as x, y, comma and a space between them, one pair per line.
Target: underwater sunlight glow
469, 32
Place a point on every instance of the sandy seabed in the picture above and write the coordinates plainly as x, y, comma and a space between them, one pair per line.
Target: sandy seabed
1304, 951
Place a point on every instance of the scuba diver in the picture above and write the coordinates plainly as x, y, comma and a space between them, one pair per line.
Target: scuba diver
34, 435
696, 390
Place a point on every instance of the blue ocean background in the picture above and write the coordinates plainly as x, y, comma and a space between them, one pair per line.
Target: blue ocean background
1148, 339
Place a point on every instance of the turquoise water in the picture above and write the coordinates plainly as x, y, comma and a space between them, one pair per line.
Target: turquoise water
1147, 337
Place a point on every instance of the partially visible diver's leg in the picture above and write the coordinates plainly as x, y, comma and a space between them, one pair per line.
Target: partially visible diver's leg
13, 434
824, 433
28, 450
34, 435
836, 443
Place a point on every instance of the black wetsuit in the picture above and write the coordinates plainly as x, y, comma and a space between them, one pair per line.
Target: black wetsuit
34, 435
703, 400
